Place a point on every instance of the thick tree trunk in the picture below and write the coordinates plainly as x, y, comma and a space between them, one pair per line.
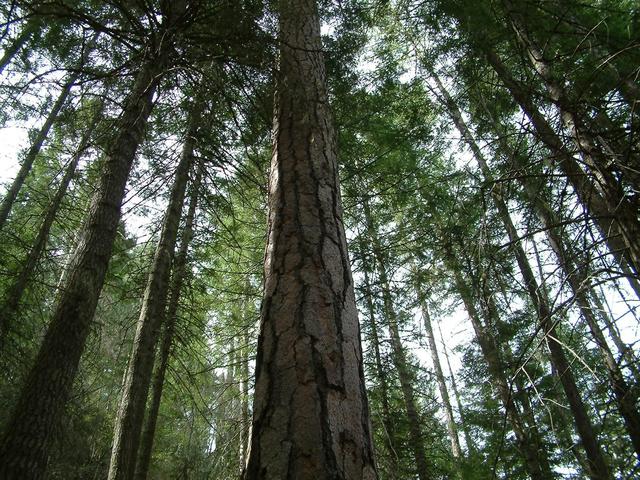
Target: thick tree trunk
387, 420
536, 461
179, 273
310, 402
24, 447
14, 292
128, 426
444, 394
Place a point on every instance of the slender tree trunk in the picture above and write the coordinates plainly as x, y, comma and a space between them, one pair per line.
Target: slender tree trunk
471, 450
25, 445
309, 354
578, 282
398, 355
11, 195
16, 289
179, 273
244, 391
11, 50
444, 394
387, 420
603, 214
536, 461
128, 426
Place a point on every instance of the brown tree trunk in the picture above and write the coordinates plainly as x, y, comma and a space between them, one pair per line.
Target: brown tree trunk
11, 195
387, 420
536, 461
444, 394
25, 445
128, 425
179, 273
398, 355
604, 215
14, 292
311, 418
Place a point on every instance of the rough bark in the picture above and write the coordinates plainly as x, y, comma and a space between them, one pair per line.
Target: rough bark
536, 461
452, 429
128, 426
24, 447
14, 292
310, 400
179, 273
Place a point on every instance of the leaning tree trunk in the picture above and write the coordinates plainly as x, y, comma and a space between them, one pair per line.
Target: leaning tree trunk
444, 394
614, 229
25, 445
599, 468
309, 354
387, 420
14, 292
32, 25
536, 460
398, 355
179, 273
130, 417
10, 197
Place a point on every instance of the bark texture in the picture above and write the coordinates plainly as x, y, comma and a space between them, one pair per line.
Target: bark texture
128, 427
311, 418
24, 447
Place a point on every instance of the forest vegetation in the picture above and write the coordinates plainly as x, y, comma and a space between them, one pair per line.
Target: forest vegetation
317, 239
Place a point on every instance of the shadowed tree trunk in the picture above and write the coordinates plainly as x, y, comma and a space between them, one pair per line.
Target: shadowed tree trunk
536, 460
16, 289
387, 420
25, 445
311, 417
179, 273
398, 354
137, 380
32, 25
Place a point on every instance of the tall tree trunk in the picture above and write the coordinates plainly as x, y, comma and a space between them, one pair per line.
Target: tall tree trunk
309, 353
596, 160
599, 468
16, 45
14, 292
398, 355
471, 450
128, 425
11, 195
536, 460
444, 394
179, 273
387, 420
577, 279
610, 224
25, 445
